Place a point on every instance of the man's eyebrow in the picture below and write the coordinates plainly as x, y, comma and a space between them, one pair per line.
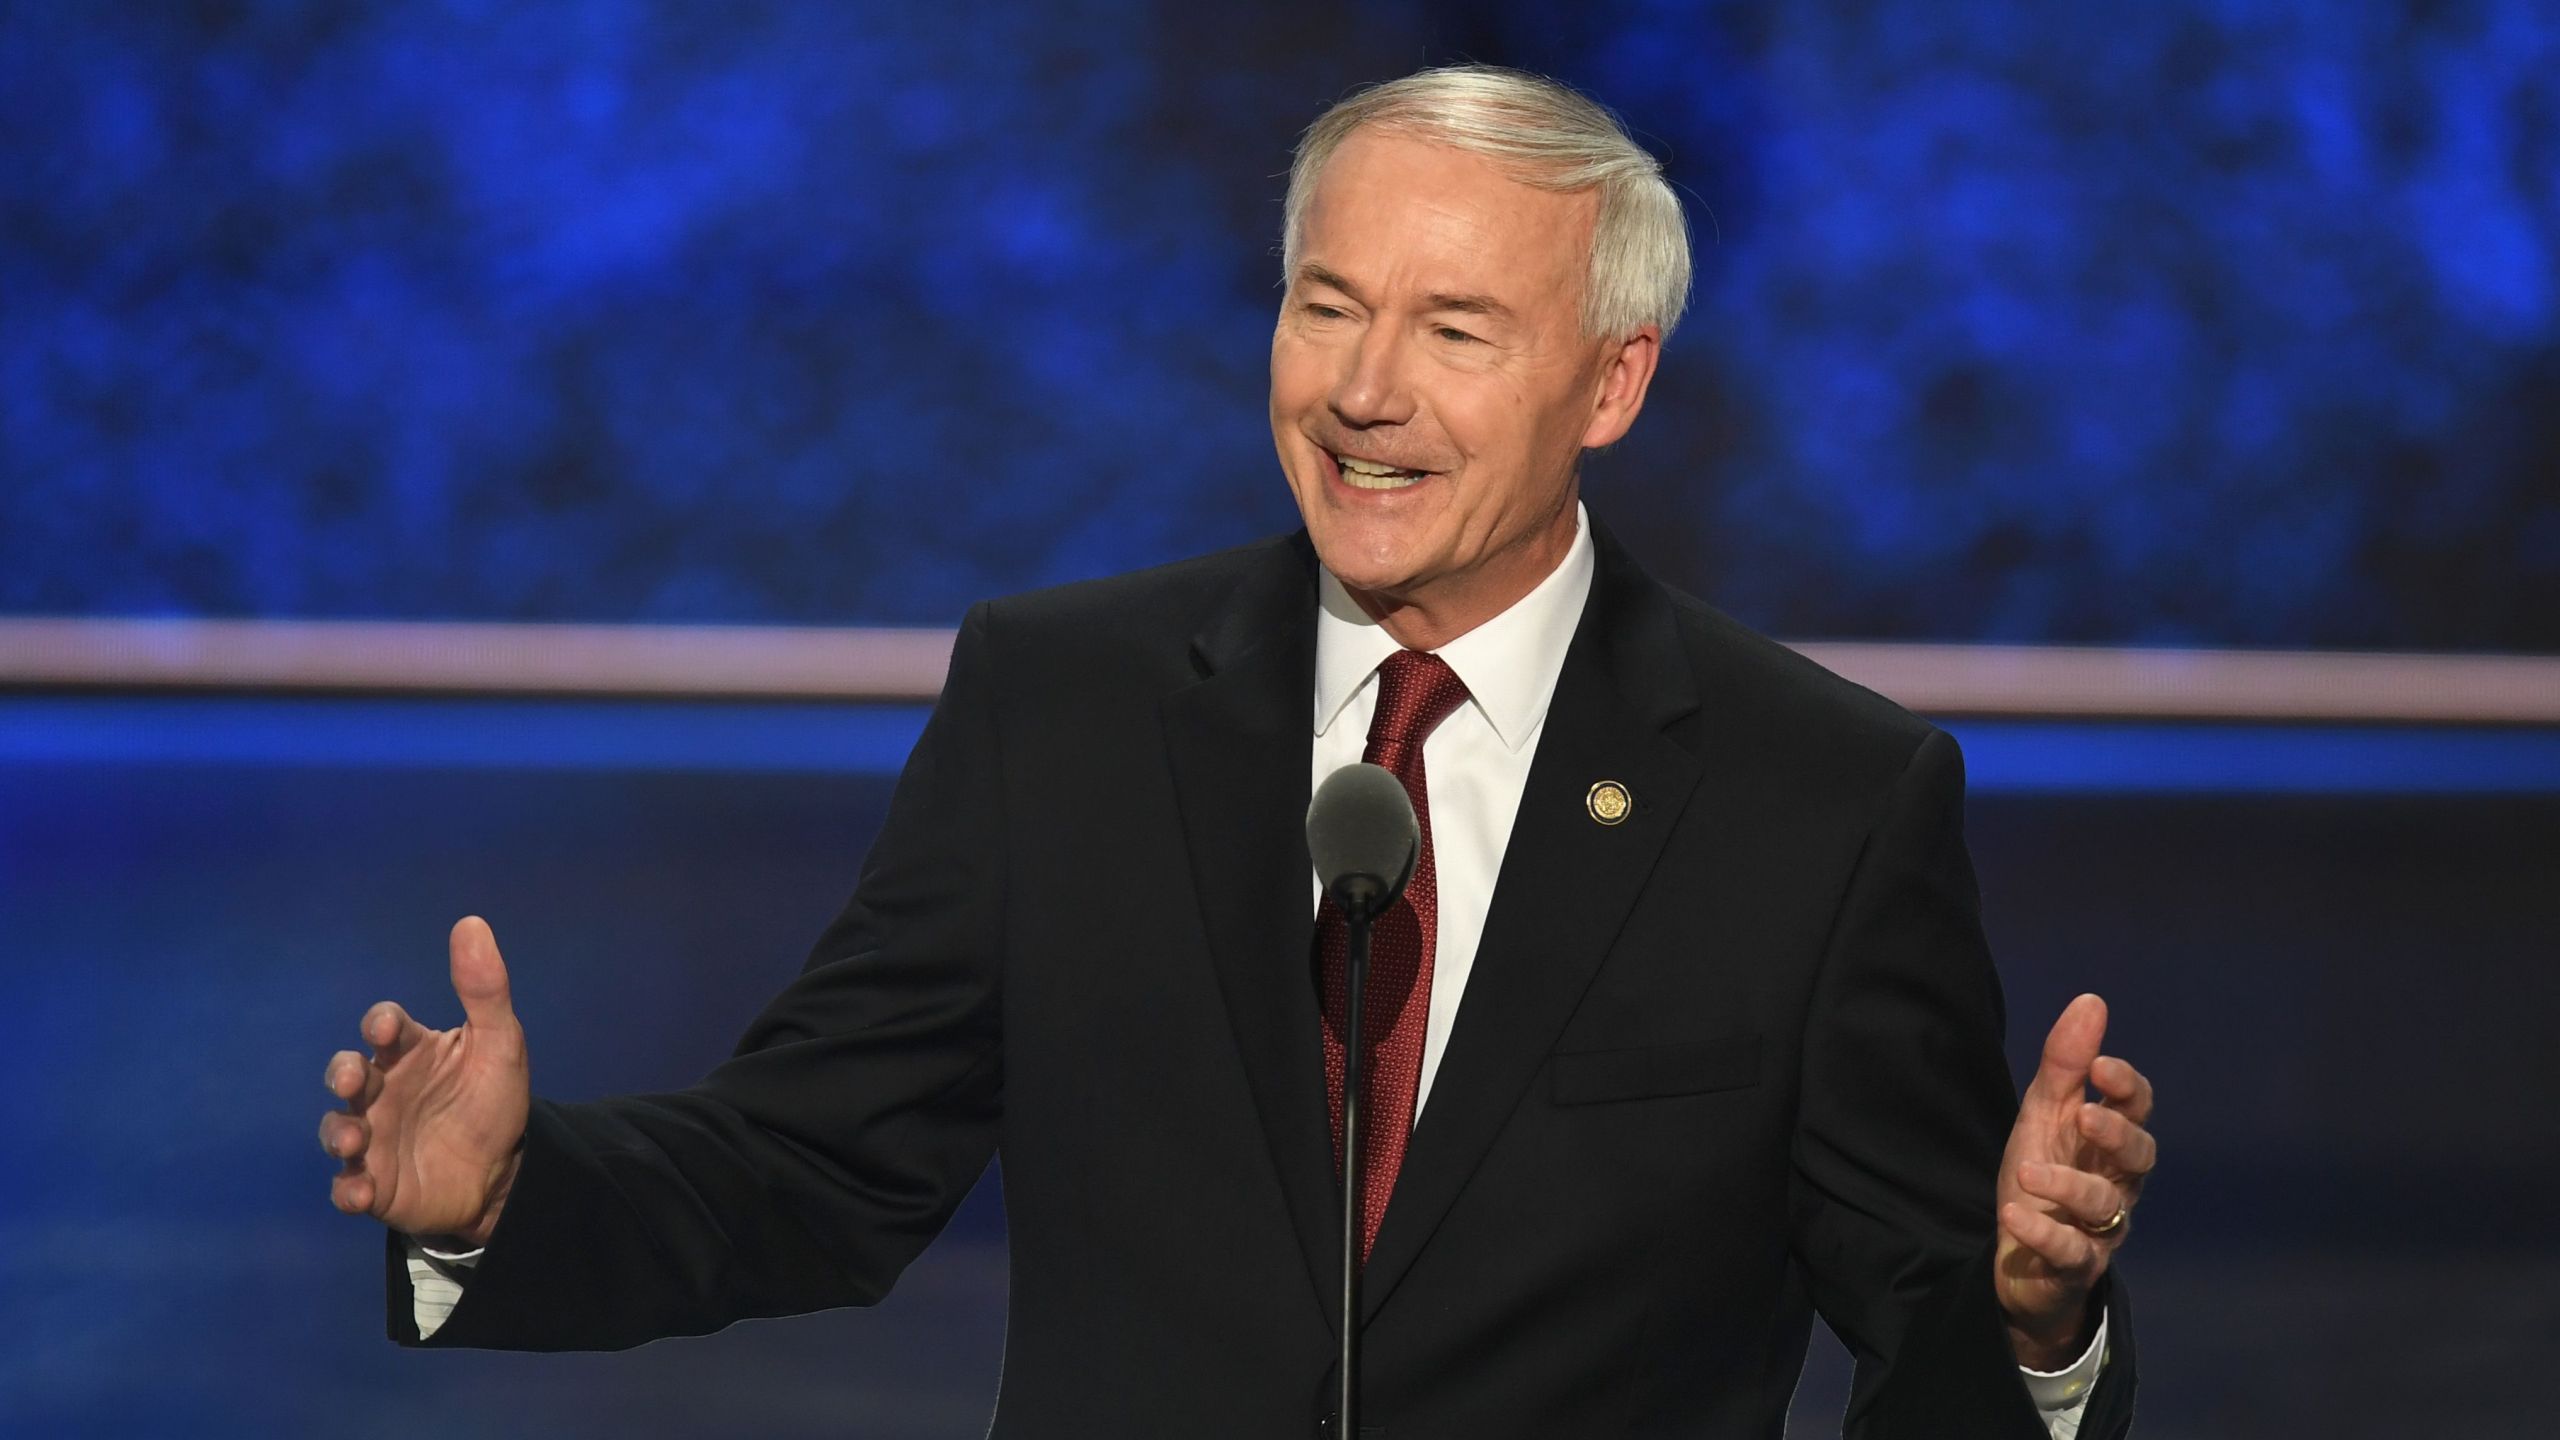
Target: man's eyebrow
1312, 273
1484, 305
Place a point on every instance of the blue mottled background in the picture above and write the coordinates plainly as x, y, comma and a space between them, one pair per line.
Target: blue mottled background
2209, 321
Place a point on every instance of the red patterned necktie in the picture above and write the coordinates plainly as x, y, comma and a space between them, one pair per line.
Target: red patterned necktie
1415, 693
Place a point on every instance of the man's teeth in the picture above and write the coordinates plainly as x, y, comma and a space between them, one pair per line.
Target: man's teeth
1370, 475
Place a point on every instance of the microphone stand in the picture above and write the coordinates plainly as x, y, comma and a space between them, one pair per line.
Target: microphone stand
1360, 897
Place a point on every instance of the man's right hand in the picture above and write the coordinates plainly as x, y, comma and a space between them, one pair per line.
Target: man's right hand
434, 1120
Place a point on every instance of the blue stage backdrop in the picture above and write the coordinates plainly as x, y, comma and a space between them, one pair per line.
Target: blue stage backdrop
2195, 321
2198, 321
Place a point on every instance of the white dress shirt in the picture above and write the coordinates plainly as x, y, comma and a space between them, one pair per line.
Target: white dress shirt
1476, 765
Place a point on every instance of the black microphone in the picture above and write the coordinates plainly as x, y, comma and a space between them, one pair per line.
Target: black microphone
1361, 831
1365, 842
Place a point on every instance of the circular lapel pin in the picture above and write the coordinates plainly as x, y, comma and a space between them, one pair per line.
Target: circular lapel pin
1609, 802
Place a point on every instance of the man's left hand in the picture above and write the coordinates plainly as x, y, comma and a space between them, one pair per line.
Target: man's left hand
2068, 1184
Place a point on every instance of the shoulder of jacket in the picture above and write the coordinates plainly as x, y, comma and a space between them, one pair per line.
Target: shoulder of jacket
1133, 630
1175, 595
1768, 689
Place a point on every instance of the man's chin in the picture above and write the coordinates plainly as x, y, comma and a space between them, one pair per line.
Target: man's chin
1372, 568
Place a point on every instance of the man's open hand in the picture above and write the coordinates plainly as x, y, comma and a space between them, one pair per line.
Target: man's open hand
2068, 1185
433, 1120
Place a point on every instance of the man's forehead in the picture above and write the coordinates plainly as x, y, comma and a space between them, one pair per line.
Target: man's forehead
1462, 229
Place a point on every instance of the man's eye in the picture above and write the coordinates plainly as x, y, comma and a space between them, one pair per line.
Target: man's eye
1455, 336
1318, 310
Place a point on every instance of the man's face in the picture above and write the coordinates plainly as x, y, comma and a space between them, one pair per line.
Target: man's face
1431, 388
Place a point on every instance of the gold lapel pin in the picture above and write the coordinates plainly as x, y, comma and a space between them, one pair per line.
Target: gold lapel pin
1609, 802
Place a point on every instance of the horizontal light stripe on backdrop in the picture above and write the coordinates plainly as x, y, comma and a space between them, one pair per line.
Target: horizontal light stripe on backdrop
703, 662
56, 733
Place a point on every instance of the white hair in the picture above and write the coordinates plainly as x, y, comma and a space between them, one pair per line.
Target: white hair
1547, 135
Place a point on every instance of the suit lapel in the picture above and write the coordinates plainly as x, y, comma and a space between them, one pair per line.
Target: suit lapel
1566, 885
1238, 741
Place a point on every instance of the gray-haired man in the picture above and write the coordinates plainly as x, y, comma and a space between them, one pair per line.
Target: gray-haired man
1696, 1034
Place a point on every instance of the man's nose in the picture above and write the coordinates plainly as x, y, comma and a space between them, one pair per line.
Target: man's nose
1375, 389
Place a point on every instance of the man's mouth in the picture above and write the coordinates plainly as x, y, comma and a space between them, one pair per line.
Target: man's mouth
1362, 474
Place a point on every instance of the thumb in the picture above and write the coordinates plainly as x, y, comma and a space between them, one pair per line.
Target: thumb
479, 975
2070, 1048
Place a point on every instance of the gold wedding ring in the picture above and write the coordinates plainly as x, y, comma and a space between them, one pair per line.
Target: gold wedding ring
2112, 1226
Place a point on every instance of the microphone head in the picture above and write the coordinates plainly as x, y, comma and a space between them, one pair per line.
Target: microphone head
1363, 837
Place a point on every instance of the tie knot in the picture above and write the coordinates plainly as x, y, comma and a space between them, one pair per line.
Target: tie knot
1416, 691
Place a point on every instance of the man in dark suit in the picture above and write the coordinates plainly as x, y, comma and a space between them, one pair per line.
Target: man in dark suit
1684, 1031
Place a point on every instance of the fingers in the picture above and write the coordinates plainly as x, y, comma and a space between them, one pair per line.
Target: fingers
345, 1136
479, 981
2069, 1249
390, 1031
2070, 1048
2089, 1201
479, 975
2126, 1089
352, 1080
2123, 1144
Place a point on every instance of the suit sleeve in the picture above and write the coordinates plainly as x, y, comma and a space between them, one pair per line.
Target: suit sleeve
808, 1169
1907, 1104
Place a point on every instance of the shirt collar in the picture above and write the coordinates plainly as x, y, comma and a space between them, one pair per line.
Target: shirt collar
1509, 663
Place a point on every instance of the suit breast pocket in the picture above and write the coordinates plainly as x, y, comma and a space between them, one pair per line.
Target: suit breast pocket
1689, 1067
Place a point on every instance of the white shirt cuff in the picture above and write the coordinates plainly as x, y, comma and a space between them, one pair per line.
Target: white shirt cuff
435, 1283
2062, 1395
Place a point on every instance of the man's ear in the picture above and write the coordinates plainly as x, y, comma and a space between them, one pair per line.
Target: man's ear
1625, 375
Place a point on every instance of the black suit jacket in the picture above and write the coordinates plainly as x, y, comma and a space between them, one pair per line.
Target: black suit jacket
1730, 1062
